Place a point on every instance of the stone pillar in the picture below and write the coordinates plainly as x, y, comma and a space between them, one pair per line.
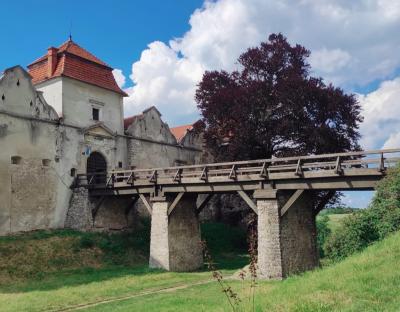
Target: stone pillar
299, 236
175, 239
286, 244
269, 239
159, 246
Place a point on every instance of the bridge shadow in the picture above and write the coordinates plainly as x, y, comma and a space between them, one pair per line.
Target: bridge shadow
227, 245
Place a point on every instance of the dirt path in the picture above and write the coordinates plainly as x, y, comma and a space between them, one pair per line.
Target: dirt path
127, 297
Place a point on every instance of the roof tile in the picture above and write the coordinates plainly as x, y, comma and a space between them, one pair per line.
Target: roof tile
76, 63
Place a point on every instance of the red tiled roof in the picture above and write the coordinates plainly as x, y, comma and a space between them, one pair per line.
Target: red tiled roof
180, 132
76, 63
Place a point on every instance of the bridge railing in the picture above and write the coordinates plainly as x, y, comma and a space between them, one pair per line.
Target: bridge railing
363, 162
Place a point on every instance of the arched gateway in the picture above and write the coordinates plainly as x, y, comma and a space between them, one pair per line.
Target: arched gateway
96, 164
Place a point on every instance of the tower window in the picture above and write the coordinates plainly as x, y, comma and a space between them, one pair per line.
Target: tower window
46, 162
95, 114
16, 160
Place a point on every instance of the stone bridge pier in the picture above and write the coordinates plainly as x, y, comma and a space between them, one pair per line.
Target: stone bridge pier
175, 233
287, 235
286, 232
278, 190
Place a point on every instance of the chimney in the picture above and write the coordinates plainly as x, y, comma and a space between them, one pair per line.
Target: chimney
51, 61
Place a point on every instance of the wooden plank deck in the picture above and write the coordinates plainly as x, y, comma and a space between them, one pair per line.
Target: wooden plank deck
339, 171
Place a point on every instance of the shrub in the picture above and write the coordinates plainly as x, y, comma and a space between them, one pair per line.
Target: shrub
324, 232
366, 226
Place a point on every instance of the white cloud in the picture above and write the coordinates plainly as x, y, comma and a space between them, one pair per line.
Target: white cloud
119, 77
165, 80
329, 60
393, 141
353, 43
381, 110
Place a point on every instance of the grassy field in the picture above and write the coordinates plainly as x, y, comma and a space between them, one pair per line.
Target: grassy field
51, 270
369, 281
64, 270
334, 219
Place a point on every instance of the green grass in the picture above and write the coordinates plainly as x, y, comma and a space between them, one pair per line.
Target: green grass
335, 219
369, 281
50, 270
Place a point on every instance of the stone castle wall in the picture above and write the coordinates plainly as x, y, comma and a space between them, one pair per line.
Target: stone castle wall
40, 154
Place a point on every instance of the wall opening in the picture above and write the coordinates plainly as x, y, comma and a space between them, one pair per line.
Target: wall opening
16, 160
73, 172
97, 168
46, 162
95, 114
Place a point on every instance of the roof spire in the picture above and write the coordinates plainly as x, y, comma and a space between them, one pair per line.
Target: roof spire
70, 31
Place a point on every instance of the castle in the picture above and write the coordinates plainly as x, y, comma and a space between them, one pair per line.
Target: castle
65, 115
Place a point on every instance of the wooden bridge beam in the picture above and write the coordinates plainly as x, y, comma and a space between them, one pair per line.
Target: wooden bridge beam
248, 201
204, 202
146, 203
291, 201
175, 202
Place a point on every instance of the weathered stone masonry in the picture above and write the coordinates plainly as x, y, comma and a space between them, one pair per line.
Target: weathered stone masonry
286, 244
175, 235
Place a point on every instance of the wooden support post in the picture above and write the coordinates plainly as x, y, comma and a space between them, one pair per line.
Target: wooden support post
338, 167
175, 202
203, 203
248, 201
299, 170
382, 164
204, 174
153, 178
232, 174
178, 176
110, 179
146, 203
131, 178
264, 171
296, 195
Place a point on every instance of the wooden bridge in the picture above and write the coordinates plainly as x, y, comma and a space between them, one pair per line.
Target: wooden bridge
276, 189
341, 171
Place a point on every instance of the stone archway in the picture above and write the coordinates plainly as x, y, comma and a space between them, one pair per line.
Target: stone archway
97, 164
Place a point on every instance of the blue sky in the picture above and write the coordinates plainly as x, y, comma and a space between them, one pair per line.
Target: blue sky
115, 31
160, 49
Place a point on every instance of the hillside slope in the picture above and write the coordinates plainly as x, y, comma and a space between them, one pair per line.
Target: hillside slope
90, 274
369, 281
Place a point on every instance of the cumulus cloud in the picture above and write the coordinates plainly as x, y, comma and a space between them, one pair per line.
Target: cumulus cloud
381, 110
330, 60
163, 79
119, 77
352, 43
